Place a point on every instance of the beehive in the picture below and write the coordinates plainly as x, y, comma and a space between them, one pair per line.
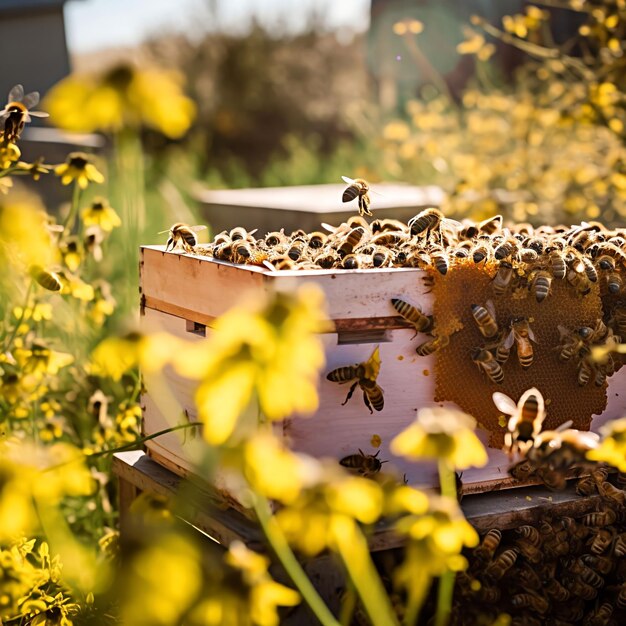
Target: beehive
186, 293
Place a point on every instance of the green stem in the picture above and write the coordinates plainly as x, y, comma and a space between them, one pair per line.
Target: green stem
68, 225
447, 480
348, 605
416, 595
11, 338
129, 446
289, 562
8, 170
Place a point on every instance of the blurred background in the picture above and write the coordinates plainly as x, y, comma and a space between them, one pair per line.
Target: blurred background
413, 91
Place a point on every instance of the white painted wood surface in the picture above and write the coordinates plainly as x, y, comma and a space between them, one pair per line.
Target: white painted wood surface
179, 287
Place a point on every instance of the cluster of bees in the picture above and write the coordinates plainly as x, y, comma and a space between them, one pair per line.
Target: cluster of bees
561, 571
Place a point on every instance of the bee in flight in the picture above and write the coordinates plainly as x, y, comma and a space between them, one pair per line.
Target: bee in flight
364, 375
525, 418
17, 112
182, 234
365, 464
357, 188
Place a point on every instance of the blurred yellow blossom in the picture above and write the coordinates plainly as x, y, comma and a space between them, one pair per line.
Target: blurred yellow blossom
612, 448
101, 214
266, 348
78, 167
122, 97
442, 433
9, 154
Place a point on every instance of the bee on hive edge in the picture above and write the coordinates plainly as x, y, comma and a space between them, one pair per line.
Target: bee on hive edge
357, 188
413, 314
432, 345
365, 464
541, 284
503, 278
17, 112
522, 335
364, 375
182, 234
573, 343
525, 421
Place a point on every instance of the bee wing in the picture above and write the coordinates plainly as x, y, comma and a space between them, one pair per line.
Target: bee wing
269, 266
504, 403
510, 340
31, 99
491, 308
16, 94
198, 228
531, 335
563, 426
591, 440
348, 181
329, 228
372, 367
39, 114
163, 231
563, 332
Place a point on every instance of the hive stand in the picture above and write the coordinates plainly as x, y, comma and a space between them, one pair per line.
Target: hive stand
207, 512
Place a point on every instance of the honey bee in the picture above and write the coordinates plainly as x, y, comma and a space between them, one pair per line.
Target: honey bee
530, 534
619, 319
506, 249
577, 278
532, 601
602, 564
488, 545
182, 234
92, 242
526, 418
583, 590
541, 284
317, 240
18, 111
600, 616
556, 590
382, 257
248, 254
488, 364
46, 279
413, 314
600, 518
390, 238
619, 547
601, 541
297, 249
357, 188
528, 255
585, 371
425, 222
491, 225
485, 318
614, 283
606, 262
364, 375
557, 264
586, 486
480, 253
240, 233
378, 226
501, 564
440, 261
327, 259
350, 241
573, 342
356, 261
276, 238
502, 278
612, 493
365, 464
521, 334
432, 345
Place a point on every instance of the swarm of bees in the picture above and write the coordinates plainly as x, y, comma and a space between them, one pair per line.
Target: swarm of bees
542, 298
560, 571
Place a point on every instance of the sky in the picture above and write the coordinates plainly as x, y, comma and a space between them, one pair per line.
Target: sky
97, 24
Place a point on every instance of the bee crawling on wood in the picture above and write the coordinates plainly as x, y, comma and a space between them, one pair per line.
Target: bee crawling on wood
182, 234
364, 375
357, 188
365, 464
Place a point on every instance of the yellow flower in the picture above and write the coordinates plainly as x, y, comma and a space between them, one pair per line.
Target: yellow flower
78, 167
612, 448
266, 347
102, 215
39, 359
35, 169
122, 97
441, 433
9, 154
